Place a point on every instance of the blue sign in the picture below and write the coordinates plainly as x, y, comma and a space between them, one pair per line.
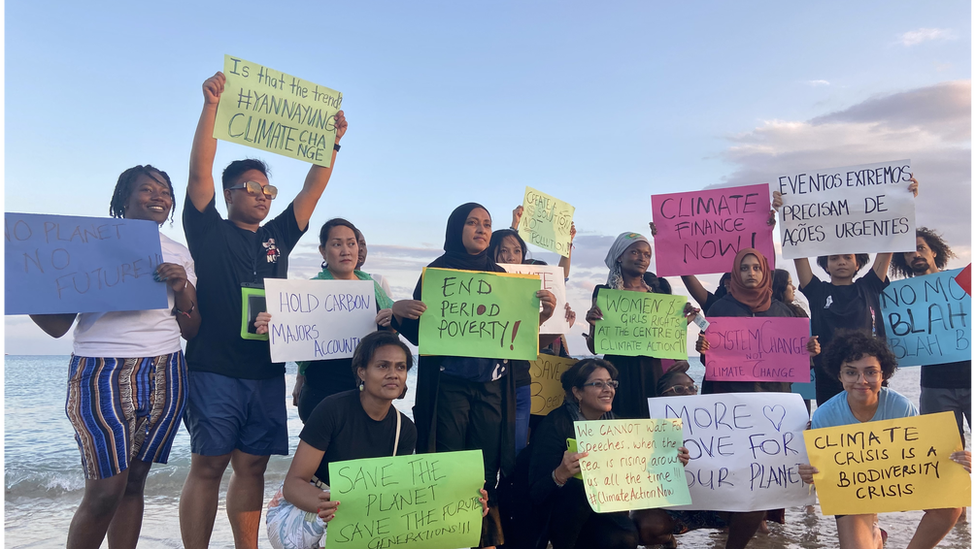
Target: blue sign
927, 319
68, 264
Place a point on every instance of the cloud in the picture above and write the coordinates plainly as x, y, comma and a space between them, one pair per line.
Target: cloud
917, 36
930, 126
818, 83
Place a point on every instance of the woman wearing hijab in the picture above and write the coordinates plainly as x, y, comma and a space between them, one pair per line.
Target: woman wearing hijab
628, 260
466, 403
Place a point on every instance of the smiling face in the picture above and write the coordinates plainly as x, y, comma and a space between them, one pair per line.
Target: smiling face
636, 259
861, 379
477, 231
245, 207
922, 260
595, 401
386, 374
509, 251
750, 271
150, 199
341, 251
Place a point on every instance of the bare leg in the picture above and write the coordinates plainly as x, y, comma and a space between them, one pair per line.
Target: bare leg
245, 497
654, 526
94, 514
859, 532
742, 527
935, 524
198, 502
123, 532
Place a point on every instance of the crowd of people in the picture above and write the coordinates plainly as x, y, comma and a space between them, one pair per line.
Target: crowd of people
130, 385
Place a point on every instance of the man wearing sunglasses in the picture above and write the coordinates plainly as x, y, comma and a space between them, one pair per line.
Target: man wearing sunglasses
236, 395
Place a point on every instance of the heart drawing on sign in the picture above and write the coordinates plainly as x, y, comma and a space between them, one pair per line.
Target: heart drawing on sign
775, 415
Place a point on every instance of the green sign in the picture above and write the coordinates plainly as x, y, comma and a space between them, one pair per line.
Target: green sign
641, 324
481, 315
546, 221
427, 501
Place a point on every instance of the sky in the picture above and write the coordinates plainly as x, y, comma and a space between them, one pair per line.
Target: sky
449, 102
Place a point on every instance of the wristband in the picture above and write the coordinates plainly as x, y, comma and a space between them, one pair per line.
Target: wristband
336, 147
556, 481
187, 313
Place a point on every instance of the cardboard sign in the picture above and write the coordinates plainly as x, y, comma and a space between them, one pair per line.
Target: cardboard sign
318, 319
547, 390
424, 501
479, 314
857, 209
276, 112
546, 222
700, 232
641, 324
553, 278
927, 319
886, 466
758, 349
632, 464
745, 449
69, 264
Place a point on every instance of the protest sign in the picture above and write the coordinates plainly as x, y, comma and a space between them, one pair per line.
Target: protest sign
700, 232
553, 278
479, 314
857, 209
641, 324
70, 264
547, 390
807, 391
965, 279
887, 466
745, 449
318, 319
546, 222
632, 464
277, 112
927, 319
758, 349
423, 501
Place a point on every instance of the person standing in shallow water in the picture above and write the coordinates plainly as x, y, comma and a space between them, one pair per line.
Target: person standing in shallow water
127, 378
236, 405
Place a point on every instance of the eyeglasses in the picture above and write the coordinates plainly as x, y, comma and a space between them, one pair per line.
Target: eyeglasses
613, 384
255, 188
682, 389
854, 375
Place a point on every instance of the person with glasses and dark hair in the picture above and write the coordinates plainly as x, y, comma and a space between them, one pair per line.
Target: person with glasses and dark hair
861, 362
236, 410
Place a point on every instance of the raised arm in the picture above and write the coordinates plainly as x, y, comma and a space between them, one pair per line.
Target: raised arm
695, 288
804, 273
883, 260
564, 262
54, 325
200, 185
317, 179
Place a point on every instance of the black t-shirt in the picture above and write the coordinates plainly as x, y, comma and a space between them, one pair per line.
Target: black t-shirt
952, 375
343, 430
225, 257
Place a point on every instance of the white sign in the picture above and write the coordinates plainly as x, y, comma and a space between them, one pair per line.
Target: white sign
553, 279
858, 209
745, 449
318, 319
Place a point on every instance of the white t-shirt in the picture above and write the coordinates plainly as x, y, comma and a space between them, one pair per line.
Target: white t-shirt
381, 280
135, 334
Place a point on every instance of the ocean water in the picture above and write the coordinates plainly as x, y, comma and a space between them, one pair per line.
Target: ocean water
44, 483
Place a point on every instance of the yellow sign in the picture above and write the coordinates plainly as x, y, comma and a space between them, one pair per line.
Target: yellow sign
547, 390
273, 111
546, 221
887, 466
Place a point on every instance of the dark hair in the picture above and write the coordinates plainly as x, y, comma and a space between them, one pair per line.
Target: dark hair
850, 345
578, 373
237, 167
123, 189
859, 259
934, 241
726, 278
667, 380
368, 345
333, 223
497, 237
781, 279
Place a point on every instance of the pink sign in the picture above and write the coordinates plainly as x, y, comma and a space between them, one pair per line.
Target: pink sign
700, 232
758, 349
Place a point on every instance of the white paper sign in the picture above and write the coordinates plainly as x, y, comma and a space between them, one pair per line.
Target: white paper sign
745, 449
318, 319
553, 279
857, 209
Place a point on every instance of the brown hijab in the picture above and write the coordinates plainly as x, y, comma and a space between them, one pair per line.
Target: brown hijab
759, 298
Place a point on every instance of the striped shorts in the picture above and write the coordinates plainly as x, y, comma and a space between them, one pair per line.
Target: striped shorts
125, 408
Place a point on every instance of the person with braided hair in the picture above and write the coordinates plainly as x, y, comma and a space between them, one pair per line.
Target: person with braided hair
127, 379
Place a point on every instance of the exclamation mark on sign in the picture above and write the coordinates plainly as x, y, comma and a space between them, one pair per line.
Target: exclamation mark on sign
514, 333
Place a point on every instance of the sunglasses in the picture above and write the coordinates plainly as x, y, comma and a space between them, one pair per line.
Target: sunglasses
255, 188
